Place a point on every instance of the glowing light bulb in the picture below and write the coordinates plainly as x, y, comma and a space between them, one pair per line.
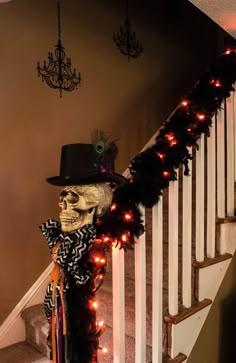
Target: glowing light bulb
228, 51
161, 155
95, 305
104, 350
124, 237
173, 142
201, 116
170, 136
184, 103
101, 323
128, 216
166, 174
106, 239
217, 83
96, 259
113, 207
102, 260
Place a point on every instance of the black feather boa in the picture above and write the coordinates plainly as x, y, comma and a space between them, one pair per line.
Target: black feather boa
153, 169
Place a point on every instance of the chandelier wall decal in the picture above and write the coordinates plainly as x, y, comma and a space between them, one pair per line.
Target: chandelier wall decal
126, 40
57, 72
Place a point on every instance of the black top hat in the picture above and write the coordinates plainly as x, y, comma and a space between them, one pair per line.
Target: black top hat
83, 164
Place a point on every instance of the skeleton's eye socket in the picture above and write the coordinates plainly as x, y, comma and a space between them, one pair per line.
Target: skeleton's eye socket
70, 196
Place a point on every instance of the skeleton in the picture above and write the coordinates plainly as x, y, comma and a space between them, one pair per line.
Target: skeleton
80, 204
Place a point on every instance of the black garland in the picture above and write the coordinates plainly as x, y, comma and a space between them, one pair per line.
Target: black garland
153, 169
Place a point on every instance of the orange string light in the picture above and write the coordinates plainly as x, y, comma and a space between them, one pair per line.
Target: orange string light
124, 237
166, 174
160, 155
101, 323
128, 216
171, 138
94, 305
184, 103
201, 116
113, 206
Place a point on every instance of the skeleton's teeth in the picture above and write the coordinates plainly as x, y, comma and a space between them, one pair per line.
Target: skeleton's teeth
69, 220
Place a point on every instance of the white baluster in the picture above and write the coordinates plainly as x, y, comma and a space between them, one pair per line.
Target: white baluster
157, 280
230, 156
118, 288
187, 237
220, 163
173, 247
200, 200
234, 126
140, 298
211, 191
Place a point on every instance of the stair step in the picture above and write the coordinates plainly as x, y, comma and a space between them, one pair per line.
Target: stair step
185, 313
106, 340
226, 220
211, 261
104, 298
35, 318
178, 359
21, 353
36, 328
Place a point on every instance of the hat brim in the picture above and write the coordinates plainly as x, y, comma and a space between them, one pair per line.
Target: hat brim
118, 179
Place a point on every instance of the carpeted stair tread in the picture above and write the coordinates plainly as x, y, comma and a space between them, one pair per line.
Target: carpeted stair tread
34, 314
106, 340
36, 327
104, 298
129, 264
21, 353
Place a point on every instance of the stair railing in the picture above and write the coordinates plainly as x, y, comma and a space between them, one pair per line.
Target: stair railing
194, 205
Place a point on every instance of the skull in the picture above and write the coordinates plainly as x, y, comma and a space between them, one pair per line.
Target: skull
81, 203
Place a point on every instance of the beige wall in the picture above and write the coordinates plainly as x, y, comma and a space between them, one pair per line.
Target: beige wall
128, 100
216, 342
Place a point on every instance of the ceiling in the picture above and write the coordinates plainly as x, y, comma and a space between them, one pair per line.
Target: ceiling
222, 12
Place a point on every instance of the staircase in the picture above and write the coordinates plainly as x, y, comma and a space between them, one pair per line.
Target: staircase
156, 297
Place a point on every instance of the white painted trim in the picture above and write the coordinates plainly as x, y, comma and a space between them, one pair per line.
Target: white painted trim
230, 157
200, 162
140, 296
118, 290
227, 238
173, 253
211, 192
220, 129
234, 127
185, 333
157, 280
210, 279
13, 329
187, 237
